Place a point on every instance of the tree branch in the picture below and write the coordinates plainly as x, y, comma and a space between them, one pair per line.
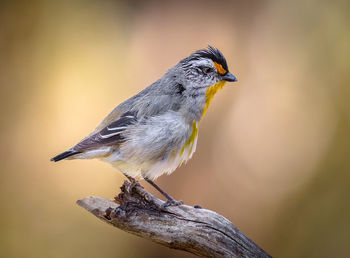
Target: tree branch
192, 229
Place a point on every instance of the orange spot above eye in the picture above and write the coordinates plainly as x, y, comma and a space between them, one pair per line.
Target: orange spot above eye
220, 69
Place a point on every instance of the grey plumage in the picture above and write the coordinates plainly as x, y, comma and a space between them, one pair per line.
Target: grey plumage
148, 134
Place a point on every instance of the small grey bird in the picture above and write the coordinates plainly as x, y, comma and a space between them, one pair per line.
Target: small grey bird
155, 131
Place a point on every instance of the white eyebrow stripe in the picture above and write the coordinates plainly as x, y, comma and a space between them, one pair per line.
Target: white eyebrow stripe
129, 116
116, 128
109, 135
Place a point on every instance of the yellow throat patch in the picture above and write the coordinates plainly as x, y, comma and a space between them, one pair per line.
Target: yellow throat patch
209, 94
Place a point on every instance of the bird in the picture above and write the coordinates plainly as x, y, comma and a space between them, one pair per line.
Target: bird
156, 130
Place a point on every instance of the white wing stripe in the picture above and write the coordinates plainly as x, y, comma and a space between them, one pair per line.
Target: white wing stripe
116, 128
109, 135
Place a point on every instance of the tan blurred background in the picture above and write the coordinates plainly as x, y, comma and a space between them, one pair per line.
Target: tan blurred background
273, 148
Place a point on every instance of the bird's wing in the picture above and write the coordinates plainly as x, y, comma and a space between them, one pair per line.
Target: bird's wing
109, 135
150, 102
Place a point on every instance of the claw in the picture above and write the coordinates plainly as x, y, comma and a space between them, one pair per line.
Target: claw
131, 186
132, 183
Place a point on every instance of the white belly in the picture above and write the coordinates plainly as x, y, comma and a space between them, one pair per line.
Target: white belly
154, 169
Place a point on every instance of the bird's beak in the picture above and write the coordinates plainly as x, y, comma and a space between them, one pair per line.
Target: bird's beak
229, 77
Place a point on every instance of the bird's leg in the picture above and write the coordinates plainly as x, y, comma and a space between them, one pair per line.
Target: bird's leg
133, 183
170, 200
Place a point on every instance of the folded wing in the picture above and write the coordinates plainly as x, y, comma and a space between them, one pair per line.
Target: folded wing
109, 135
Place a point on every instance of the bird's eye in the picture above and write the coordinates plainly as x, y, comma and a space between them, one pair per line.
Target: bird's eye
206, 70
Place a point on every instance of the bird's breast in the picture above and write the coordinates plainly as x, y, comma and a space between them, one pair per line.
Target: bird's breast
190, 145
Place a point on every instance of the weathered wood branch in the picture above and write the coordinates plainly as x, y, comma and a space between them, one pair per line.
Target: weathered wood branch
193, 229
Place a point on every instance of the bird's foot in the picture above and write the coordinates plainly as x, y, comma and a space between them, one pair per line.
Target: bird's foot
131, 185
171, 202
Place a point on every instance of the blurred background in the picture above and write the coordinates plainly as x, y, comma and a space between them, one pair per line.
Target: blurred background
273, 149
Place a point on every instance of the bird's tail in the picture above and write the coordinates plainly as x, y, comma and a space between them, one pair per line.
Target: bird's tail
65, 155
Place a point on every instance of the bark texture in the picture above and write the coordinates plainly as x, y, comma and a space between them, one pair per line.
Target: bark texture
192, 229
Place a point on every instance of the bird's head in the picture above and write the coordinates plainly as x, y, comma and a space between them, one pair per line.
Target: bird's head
205, 68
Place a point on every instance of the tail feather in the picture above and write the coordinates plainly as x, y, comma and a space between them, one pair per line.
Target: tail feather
64, 155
